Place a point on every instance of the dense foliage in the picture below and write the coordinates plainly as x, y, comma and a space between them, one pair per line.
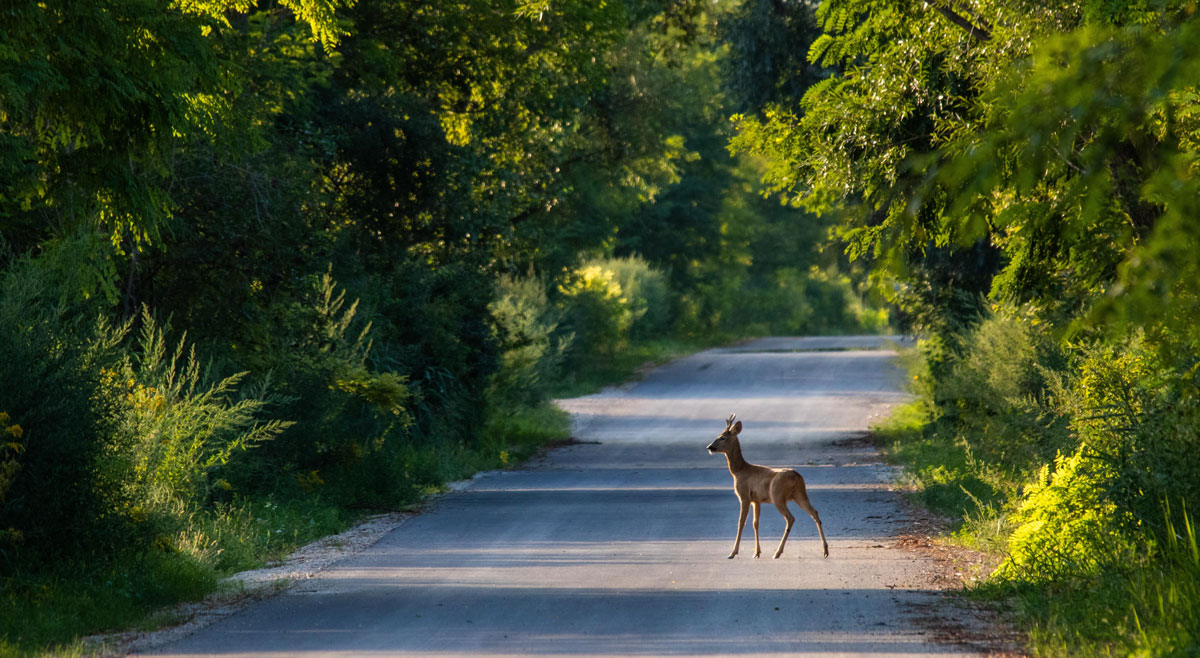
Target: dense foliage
1022, 178
264, 264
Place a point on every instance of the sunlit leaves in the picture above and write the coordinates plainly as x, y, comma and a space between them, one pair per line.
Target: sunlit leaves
1062, 134
98, 99
321, 16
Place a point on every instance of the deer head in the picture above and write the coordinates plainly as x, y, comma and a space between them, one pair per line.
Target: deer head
728, 437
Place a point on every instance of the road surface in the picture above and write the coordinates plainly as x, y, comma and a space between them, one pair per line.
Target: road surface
617, 545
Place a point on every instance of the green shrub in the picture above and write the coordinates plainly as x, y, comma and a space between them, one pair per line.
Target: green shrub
347, 414
1149, 608
172, 425
1083, 445
789, 301
433, 326
996, 385
12, 435
58, 500
1133, 412
596, 311
531, 348
1066, 526
646, 291
714, 305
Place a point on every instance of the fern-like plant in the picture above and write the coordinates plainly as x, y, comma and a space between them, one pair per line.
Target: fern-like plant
175, 424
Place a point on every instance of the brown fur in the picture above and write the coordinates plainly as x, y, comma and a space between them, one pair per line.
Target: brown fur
756, 484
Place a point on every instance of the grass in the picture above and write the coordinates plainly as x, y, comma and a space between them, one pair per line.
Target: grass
1149, 609
46, 612
945, 478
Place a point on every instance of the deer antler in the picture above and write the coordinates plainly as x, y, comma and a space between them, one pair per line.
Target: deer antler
729, 421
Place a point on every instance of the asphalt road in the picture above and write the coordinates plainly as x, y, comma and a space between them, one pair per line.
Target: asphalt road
617, 545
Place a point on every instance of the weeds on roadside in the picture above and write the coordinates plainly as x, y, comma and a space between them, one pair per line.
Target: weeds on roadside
1078, 469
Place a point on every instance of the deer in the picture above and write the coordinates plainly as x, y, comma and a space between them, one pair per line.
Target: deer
755, 485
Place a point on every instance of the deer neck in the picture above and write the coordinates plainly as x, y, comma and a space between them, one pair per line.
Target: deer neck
733, 454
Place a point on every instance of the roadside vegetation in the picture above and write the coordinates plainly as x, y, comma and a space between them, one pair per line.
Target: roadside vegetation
1075, 465
265, 267
1021, 179
268, 267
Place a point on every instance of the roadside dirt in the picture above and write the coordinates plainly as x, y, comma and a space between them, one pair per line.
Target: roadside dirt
955, 569
951, 569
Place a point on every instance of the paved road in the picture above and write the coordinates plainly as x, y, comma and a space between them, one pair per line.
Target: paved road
617, 545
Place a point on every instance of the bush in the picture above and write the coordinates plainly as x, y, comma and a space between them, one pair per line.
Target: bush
646, 292
433, 326
596, 311
59, 501
172, 425
347, 415
787, 302
1089, 449
1067, 527
996, 386
1134, 414
531, 348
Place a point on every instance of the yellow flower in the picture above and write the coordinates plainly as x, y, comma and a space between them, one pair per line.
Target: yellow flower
3, 416
16, 431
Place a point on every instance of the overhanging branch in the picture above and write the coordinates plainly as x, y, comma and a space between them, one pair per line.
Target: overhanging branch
980, 34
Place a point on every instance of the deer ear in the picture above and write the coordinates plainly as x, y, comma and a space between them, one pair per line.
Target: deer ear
737, 427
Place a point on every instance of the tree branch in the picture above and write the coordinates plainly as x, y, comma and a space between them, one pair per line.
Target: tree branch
527, 213
980, 34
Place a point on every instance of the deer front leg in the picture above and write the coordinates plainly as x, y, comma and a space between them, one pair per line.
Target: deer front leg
737, 541
757, 547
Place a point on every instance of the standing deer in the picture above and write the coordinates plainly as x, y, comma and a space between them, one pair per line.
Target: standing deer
756, 484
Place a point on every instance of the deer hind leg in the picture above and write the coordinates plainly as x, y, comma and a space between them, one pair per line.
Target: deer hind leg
757, 547
781, 505
802, 500
737, 541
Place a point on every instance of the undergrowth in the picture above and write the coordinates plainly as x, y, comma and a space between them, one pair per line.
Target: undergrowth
46, 613
1074, 469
